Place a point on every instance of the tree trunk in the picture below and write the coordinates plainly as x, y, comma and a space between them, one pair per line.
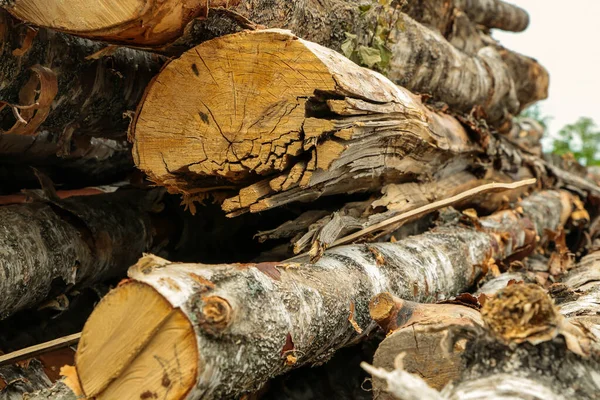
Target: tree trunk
65, 85
330, 127
203, 322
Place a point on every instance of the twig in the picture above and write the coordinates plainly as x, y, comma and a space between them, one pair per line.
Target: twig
30, 352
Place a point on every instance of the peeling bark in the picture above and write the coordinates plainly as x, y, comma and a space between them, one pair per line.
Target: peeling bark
316, 230
61, 84
269, 317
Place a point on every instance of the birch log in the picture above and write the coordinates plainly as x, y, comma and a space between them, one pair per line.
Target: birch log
489, 13
75, 241
65, 85
218, 331
526, 345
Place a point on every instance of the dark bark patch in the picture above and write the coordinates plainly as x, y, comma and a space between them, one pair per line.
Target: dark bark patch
270, 269
148, 395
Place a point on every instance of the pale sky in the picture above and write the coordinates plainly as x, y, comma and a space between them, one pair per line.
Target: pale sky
564, 36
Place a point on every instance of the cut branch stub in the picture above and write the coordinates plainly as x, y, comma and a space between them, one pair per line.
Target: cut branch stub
139, 22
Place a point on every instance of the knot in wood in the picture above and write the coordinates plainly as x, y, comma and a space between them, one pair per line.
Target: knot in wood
215, 315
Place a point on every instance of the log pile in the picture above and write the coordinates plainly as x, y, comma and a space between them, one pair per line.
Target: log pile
201, 200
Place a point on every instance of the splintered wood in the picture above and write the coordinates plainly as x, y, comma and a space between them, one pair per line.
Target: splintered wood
230, 191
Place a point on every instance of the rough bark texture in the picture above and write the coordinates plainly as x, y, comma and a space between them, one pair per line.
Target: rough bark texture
489, 13
60, 391
50, 245
16, 380
304, 312
134, 22
81, 92
495, 14
528, 350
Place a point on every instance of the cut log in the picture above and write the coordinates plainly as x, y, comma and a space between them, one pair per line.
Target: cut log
138, 22
526, 350
65, 85
152, 23
329, 125
204, 321
417, 331
522, 324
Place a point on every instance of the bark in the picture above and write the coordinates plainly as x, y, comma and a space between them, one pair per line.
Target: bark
16, 380
134, 22
50, 245
529, 354
489, 13
530, 78
60, 391
271, 317
495, 14
63, 85
95, 161
527, 134
331, 128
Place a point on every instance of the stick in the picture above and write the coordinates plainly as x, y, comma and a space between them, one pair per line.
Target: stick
30, 352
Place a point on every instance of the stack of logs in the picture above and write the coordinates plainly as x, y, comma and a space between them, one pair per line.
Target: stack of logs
255, 186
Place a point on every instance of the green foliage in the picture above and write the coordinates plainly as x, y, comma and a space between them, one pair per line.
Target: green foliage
582, 139
371, 49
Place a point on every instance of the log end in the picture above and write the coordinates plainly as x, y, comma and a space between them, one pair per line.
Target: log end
232, 109
135, 345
